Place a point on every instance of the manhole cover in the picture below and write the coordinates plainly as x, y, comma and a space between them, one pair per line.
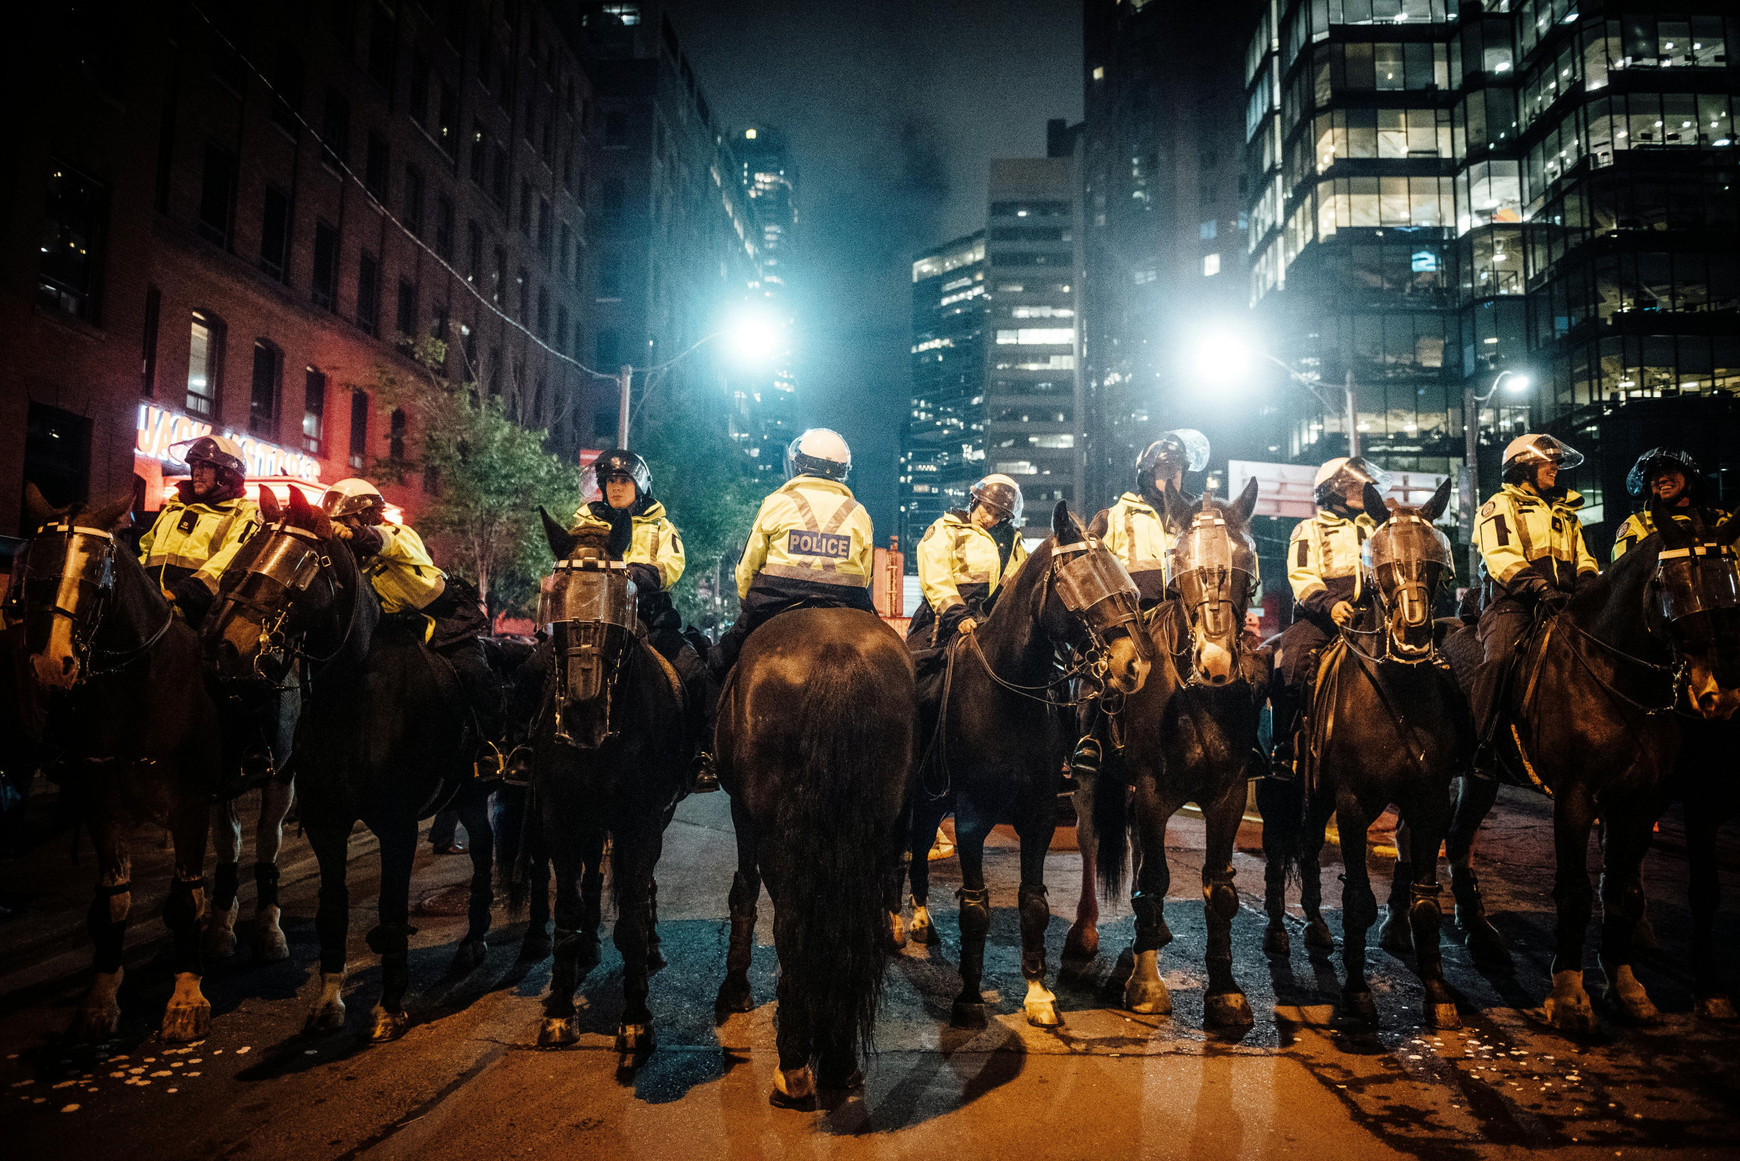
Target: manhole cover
454, 900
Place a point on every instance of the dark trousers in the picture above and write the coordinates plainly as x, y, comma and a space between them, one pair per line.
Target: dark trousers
1302, 645
928, 631
770, 596
1502, 624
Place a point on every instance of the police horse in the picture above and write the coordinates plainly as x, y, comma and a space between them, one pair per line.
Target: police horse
1188, 736
1589, 718
384, 736
997, 727
611, 747
120, 673
1387, 724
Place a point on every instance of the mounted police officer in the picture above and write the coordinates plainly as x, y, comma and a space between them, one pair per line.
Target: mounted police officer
1323, 568
416, 594
641, 536
1532, 554
1134, 530
963, 560
810, 547
1671, 478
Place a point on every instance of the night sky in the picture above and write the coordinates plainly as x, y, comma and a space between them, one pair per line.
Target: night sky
893, 110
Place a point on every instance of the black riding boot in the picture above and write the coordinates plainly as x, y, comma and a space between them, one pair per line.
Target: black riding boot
1283, 761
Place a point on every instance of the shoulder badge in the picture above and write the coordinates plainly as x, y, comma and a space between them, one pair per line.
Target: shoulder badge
1487, 508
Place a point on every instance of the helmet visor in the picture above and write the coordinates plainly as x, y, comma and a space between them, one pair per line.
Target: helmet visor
1548, 449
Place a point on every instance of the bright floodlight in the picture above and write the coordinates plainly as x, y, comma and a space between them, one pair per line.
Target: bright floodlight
1517, 382
754, 335
1222, 356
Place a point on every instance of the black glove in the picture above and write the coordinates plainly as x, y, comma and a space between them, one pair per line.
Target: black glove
192, 598
366, 540
1529, 587
1585, 581
645, 578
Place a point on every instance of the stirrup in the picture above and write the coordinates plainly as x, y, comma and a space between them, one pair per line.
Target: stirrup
517, 767
1086, 759
1283, 765
489, 763
706, 777
1485, 764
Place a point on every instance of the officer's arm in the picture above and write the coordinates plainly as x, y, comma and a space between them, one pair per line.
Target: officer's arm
1305, 571
150, 537
1017, 558
755, 550
1629, 534
671, 559
863, 543
1587, 565
1500, 546
934, 580
236, 530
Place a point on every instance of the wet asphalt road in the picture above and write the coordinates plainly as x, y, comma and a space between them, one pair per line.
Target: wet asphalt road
467, 1082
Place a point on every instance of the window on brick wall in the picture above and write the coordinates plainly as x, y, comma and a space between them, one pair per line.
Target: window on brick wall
375, 174
69, 268
335, 132
263, 396
359, 429
498, 177
419, 95
397, 426
414, 200
406, 319
288, 72
275, 233
479, 154
326, 265
368, 293
473, 251
444, 228
447, 119
148, 348
381, 48
204, 361
217, 191
313, 410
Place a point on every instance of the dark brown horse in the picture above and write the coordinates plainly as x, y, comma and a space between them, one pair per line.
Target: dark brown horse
815, 745
121, 672
384, 737
1189, 737
612, 752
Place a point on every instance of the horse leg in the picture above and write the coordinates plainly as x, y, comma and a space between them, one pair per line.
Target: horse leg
1474, 799
1621, 907
1145, 991
1428, 820
1223, 1004
1395, 936
1567, 1007
331, 841
226, 844
188, 1016
1316, 826
1082, 943
1280, 805
559, 1025
633, 857
734, 994
972, 826
391, 938
655, 956
925, 819
473, 805
794, 1081
1358, 910
270, 946
99, 1012
1713, 1000
536, 944
1040, 1003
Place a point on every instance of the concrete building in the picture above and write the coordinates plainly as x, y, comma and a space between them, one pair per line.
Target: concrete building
942, 449
240, 226
764, 418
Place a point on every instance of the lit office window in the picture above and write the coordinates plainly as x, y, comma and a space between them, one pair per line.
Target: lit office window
1210, 265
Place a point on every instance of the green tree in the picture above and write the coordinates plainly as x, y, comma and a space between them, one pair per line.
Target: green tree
489, 476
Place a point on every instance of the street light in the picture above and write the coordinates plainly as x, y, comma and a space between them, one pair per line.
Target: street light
754, 334
1223, 356
1469, 482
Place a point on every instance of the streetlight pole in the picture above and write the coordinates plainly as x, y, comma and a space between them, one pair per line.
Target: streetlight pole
1349, 403
624, 381
1468, 484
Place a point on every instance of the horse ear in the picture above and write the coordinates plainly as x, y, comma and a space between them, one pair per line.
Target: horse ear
109, 517
1728, 531
1375, 506
269, 506
1440, 501
1177, 511
300, 511
37, 510
1065, 528
561, 541
1246, 504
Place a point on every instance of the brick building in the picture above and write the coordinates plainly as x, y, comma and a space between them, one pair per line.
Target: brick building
237, 215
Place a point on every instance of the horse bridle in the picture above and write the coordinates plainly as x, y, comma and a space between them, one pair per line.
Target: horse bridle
98, 574
1207, 520
291, 558
1409, 521
591, 625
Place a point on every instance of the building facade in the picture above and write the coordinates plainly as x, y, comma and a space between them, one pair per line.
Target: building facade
244, 226
1441, 193
764, 419
942, 449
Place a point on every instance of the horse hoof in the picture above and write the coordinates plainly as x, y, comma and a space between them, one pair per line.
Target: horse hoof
967, 1013
535, 947
1396, 937
896, 931
1358, 1009
1317, 936
1042, 1013
1626, 994
1147, 997
634, 1041
1080, 946
270, 946
1486, 946
95, 1025
469, 956
921, 930
1276, 941
793, 1088
1568, 1008
187, 1021
328, 1017
1442, 1015
1716, 1006
655, 960
734, 996
1227, 1010
385, 1025
558, 1031
219, 942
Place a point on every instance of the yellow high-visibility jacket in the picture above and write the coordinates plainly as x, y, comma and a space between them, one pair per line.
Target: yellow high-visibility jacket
955, 553
1133, 532
812, 530
194, 538
653, 540
404, 576
1323, 560
1519, 527
1641, 526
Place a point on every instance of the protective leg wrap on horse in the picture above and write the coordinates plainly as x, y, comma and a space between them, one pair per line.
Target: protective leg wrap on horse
225, 884
1035, 918
107, 923
1218, 893
1152, 934
265, 884
975, 925
391, 939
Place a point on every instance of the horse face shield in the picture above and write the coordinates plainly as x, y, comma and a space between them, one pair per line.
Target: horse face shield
248, 633
591, 620
1214, 572
1095, 588
1698, 591
61, 583
1405, 561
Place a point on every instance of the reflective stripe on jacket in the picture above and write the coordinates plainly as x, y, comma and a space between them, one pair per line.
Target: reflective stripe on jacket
404, 576
954, 552
1323, 559
1135, 534
653, 541
1640, 526
197, 539
1519, 527
812, 529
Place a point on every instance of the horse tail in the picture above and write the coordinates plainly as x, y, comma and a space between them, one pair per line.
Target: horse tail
835, 849
1111, 826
